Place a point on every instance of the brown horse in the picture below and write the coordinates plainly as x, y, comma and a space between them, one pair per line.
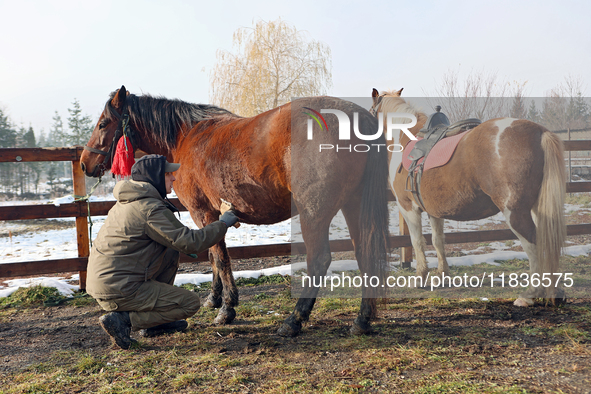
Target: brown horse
507, 165
269, 169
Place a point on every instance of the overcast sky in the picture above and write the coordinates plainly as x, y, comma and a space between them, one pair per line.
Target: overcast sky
52, 52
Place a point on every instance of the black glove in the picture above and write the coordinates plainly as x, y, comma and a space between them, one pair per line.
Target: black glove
229, 217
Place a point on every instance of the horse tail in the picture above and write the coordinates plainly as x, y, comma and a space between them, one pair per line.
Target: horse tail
549, 210
374, 214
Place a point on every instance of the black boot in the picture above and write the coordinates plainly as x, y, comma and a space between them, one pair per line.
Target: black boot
118, 326
166, 328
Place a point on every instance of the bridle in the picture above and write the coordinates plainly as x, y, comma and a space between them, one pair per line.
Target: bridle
374, 109
123, 128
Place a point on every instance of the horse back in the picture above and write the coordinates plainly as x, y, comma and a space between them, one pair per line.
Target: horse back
498, 160
243, 160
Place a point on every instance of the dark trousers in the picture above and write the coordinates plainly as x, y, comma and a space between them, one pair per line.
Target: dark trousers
156, 301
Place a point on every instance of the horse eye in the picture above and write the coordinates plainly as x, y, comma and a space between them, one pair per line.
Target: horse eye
103, 125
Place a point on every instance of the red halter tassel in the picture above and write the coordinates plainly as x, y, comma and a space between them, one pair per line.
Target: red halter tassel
123, 159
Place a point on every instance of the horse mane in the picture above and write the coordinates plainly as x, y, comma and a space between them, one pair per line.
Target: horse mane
164, 118
391, 102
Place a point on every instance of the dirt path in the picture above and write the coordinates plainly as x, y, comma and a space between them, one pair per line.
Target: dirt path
416, 344
541, 349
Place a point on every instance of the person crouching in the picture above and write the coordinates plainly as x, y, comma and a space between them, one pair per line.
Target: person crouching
135, 256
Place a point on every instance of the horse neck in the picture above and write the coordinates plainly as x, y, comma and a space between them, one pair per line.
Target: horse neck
421, 119
150, 132
397, 104
147, 142
161, 123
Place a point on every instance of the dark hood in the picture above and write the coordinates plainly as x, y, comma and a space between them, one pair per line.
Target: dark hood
150, 168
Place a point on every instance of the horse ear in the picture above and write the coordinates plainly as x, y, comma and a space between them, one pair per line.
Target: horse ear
374, 95
119, 98
400, 92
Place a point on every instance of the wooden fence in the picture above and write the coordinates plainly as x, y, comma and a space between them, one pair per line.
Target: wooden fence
79, 210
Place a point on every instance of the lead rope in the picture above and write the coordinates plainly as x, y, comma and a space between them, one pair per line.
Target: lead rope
87, 199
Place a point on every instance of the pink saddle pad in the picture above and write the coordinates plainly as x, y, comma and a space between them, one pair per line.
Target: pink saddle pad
439, 155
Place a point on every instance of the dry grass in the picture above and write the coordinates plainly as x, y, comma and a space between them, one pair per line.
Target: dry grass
418, 345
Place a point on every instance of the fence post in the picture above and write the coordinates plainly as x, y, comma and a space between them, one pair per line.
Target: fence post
405, 252
82, 220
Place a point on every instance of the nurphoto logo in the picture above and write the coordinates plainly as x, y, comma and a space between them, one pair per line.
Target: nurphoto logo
393, 122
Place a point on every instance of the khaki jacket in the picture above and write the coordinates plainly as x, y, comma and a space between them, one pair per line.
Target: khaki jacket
140, 235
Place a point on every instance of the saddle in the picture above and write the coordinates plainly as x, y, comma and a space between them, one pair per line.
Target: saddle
435, 129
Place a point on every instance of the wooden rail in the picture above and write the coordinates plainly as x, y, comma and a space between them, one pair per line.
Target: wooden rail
79, 184
17, 155
79, 210
101, 208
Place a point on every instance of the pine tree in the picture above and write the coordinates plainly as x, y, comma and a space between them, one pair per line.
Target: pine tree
56, 136
29, 138
518, 108
42, 140
532, 113
7, 132
578, 109
8, 139
80, 125
565, 107
33, 170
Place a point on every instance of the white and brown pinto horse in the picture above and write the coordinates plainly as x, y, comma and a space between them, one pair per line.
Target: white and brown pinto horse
507, 165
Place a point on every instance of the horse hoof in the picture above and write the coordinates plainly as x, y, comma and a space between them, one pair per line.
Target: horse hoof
225, 316
287, 330
212, 302
360, 327
443, 273
524, 302
423, 273
556, 297
554, 301
558, 300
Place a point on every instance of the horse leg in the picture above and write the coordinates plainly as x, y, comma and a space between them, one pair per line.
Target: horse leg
221, 260
318, 260
438, 239
223, 289
214, 299
368, 309
415, 228
523, 226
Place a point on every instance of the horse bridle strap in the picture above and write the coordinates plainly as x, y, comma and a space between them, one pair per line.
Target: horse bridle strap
122, 127
374, 109
94, 150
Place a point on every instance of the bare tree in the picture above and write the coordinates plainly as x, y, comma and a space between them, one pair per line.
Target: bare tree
480, 95
565, 107
518, 107
272, 62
